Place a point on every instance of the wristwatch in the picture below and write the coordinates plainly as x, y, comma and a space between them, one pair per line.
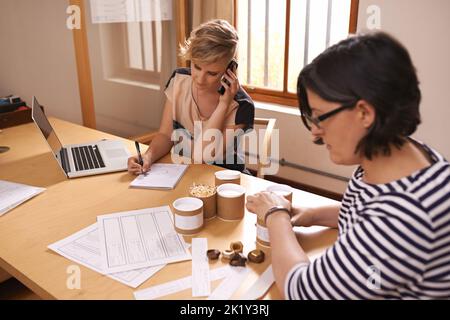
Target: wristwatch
275, 209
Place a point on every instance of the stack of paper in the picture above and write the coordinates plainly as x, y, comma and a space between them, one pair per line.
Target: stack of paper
161, 176
13, 194
132, 246
83, 247
140, 238
127, 246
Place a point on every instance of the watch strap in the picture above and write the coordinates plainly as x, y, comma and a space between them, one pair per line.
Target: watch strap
276, 209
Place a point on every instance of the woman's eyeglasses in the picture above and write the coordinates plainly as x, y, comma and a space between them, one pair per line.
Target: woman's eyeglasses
309, 121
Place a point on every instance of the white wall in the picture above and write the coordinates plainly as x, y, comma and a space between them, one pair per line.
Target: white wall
123, 108
423, 27
37, 56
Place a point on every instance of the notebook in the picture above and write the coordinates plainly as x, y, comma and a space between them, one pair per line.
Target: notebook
161, 176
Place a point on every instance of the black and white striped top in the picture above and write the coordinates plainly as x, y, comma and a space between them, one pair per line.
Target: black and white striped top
394, 241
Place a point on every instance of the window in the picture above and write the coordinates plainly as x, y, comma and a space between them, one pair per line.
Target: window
131, 33
279, 37
131, 52
142, 38
141, 59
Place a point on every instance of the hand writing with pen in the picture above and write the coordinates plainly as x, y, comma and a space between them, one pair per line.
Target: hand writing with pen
139, 164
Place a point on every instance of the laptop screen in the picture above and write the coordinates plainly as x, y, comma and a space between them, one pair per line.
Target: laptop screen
44, 125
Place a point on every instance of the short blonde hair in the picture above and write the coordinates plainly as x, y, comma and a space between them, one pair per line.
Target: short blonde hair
210, 42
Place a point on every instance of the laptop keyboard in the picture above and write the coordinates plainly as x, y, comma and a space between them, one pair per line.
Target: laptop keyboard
65, 160
87, 157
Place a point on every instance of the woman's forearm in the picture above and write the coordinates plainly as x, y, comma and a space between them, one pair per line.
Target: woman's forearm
159, 147
326, 216
286, 251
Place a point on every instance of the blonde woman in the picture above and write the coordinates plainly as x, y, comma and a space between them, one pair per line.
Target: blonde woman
193, 98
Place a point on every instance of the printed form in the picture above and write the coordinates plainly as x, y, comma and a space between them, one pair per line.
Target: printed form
83, 247
140, 238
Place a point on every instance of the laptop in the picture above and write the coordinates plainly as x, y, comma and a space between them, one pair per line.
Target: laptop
79, 160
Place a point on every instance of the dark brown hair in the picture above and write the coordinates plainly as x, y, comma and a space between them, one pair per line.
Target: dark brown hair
373, 67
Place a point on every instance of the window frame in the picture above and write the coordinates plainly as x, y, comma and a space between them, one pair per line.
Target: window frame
116, 66
128, 72
285, 97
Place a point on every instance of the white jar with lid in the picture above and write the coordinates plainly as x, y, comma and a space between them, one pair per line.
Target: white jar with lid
188, 215
227, 176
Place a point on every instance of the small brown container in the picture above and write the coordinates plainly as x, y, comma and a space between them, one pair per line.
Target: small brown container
227, 176
209, 204
230, 201
188, 215
262, 233
281, 189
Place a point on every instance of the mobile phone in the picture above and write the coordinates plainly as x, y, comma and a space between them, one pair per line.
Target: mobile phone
232, 65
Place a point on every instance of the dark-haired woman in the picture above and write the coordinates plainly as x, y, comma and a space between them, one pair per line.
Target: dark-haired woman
360, 98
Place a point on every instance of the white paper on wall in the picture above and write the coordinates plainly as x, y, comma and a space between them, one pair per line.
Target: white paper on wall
110, 11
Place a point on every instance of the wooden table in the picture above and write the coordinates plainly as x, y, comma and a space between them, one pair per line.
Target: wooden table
68, 206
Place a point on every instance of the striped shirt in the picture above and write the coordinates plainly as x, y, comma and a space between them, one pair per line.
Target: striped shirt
393, 243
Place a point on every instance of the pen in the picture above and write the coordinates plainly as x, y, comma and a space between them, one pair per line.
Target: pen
141, 162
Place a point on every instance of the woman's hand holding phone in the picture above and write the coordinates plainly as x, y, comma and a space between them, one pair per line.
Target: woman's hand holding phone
230, 83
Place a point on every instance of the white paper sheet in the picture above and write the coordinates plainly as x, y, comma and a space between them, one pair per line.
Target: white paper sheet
201, 284
107, 11
161, 176
230, 284
260, 286
83, 248
140, 238
177, 285
13, 194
